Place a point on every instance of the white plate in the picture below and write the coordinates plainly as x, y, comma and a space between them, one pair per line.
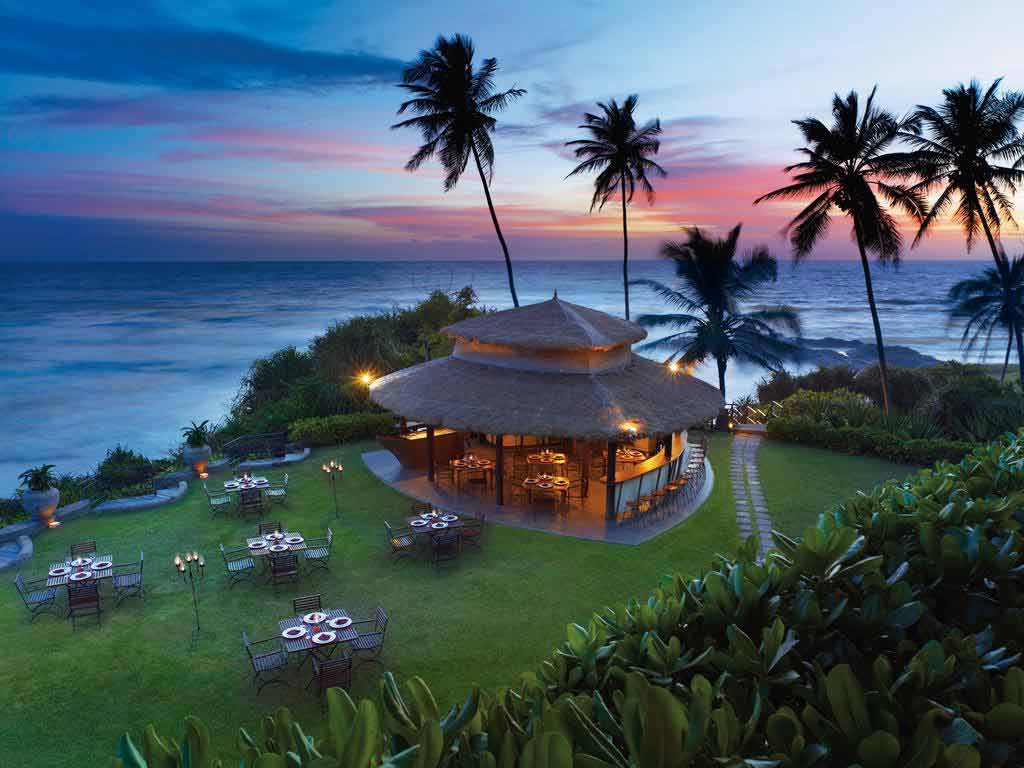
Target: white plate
439, 525
278, 548
60, 570
545, 486
79, 562
258, 545
324, 638
343, 622
261, 481
419, 523
294, 540
101, 565
530, 481
80, 576
230, 486
294, 633
449, 518
274, 536
316, 617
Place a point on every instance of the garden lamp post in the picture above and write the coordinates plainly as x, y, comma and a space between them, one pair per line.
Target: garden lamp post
193, 566
333, 470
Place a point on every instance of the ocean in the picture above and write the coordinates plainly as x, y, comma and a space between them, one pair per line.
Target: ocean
92, 355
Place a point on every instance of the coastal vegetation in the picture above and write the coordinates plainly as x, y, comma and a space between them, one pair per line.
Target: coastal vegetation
454, 104
620, 152
709, 320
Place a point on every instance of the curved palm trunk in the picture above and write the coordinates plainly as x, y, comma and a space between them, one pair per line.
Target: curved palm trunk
883, 369
1002, 265
497, 227
625, 245
1006, 360
722, 363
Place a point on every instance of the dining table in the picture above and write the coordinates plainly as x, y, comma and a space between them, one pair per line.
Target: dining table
553, 485
322, 631
472, 464
547, 459
434, 522
276, 543
80, 570
238, 485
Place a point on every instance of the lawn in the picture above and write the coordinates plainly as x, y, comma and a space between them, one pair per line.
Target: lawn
68, 696
801, 482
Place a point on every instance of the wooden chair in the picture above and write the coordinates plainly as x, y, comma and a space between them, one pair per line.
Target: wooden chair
317, 553
445, 547
278, 493
269, 526
127, 580
83, 549
472, 531
284, 568
239, 564
84, 600
306, 604
419, 507
443, 470
269, 666
38, 597
371, 643
400, 540
331, 673
219, 502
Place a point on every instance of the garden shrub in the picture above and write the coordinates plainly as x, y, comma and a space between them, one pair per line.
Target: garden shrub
779, 385
868, 440
889, 636
840, 407
331, 430
907, 386
12, 512
122, 468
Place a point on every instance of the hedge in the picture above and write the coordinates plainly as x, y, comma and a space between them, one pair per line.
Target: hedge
332, 430
889, 636
867, 440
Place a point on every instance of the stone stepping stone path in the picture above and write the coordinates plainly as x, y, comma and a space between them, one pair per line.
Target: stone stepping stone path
751, 510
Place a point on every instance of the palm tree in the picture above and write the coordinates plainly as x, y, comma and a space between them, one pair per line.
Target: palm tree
992, 301
846, 170
621, 152
708, 321
453, 103
970, 148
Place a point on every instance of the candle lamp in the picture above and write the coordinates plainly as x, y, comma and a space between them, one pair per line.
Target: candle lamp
333, 469
192, 566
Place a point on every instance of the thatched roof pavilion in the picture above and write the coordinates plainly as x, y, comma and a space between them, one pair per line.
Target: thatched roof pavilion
552, 369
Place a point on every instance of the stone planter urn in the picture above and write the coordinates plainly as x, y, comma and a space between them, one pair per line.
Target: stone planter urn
41, 504
197, 457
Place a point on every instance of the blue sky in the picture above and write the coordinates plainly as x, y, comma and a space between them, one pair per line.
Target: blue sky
261, 129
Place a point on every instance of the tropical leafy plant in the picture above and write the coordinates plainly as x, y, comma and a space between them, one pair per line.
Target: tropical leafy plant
620, 152
709, 321
39, 478
990, 302
849, 170
454, 104
196, 435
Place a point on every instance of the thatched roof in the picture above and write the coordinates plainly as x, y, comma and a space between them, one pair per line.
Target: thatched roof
548, 325
483, 398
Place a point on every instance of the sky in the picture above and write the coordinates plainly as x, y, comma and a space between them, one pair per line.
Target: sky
137, 129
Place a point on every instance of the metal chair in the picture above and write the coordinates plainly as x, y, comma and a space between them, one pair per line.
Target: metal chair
250, 502
306, 604
219, 502
317, 553
269, 526
284, 568
239, 564
331, 673
400, 540
84, 600
127, 580
446, 547
420, 507
268, 667
472, 530
38, 597
278, 493
83, 549
371, 642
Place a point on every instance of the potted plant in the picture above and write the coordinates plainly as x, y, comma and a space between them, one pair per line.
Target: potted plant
40, 497
197, 451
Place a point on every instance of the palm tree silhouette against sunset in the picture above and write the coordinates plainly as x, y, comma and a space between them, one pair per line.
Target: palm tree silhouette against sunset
620, 151
453, 103
970, 148
846, 170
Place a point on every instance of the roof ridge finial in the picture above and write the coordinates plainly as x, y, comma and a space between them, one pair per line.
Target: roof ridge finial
556, 294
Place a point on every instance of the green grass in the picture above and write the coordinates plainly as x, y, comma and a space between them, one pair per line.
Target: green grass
68, 696
801, 482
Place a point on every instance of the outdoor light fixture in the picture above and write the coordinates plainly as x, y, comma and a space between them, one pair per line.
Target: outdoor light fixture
193, 566
333, 470
203, 475
366, 377
628, 426
673, 367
